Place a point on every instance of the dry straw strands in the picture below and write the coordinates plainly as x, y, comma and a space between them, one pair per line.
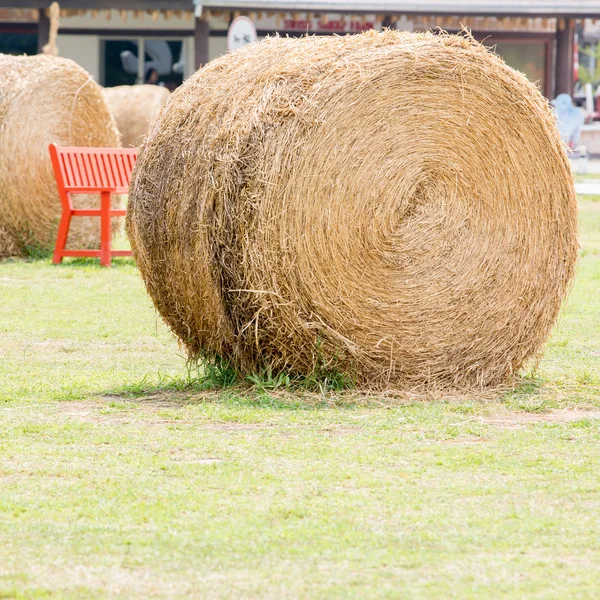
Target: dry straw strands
134, 107
395, 205
44, 99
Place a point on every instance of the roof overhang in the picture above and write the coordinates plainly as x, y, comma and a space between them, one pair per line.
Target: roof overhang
532, 8
102, 4
577, 9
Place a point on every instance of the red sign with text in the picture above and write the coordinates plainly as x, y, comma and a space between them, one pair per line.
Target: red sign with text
315, 26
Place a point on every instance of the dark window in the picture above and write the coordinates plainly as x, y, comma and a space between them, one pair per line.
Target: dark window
114, 73
121, 61
18, 43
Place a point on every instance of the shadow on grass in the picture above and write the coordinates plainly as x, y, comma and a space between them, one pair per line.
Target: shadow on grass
219, 382
533, 394
526, 395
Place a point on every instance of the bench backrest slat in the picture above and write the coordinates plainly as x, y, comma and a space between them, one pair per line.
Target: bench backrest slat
81, 170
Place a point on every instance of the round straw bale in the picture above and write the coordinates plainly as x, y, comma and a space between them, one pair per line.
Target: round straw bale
45, 99
134, 107
397, 206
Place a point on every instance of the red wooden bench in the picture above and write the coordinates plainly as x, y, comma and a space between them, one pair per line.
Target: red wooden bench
103, 171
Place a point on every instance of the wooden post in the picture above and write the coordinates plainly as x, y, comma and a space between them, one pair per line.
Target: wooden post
43, 32
141, 71
201, 34
565, 40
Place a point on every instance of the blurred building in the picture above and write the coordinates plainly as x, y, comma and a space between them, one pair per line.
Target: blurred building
118, 40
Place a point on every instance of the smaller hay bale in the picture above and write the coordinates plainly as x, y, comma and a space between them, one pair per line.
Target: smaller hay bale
134, 108
45, 99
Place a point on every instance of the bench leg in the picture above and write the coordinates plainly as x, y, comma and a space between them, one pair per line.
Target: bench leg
105, 232
61, 237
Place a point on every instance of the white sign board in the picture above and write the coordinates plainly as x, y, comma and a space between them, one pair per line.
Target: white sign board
241, 32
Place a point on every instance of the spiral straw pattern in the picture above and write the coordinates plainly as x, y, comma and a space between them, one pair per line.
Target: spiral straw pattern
398, 206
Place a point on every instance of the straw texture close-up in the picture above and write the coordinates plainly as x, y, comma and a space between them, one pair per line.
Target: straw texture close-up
395, 206
134, 107
45, 99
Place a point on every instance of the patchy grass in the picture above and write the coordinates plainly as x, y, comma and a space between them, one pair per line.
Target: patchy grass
124, 473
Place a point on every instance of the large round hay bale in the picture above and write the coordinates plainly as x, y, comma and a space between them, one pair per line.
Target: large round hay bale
134, 107
398, 206
45, 99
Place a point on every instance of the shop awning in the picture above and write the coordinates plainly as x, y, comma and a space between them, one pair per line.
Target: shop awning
524, 8
532, 8
102, 4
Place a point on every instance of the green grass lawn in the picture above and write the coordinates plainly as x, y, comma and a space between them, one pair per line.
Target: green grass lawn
118, 480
